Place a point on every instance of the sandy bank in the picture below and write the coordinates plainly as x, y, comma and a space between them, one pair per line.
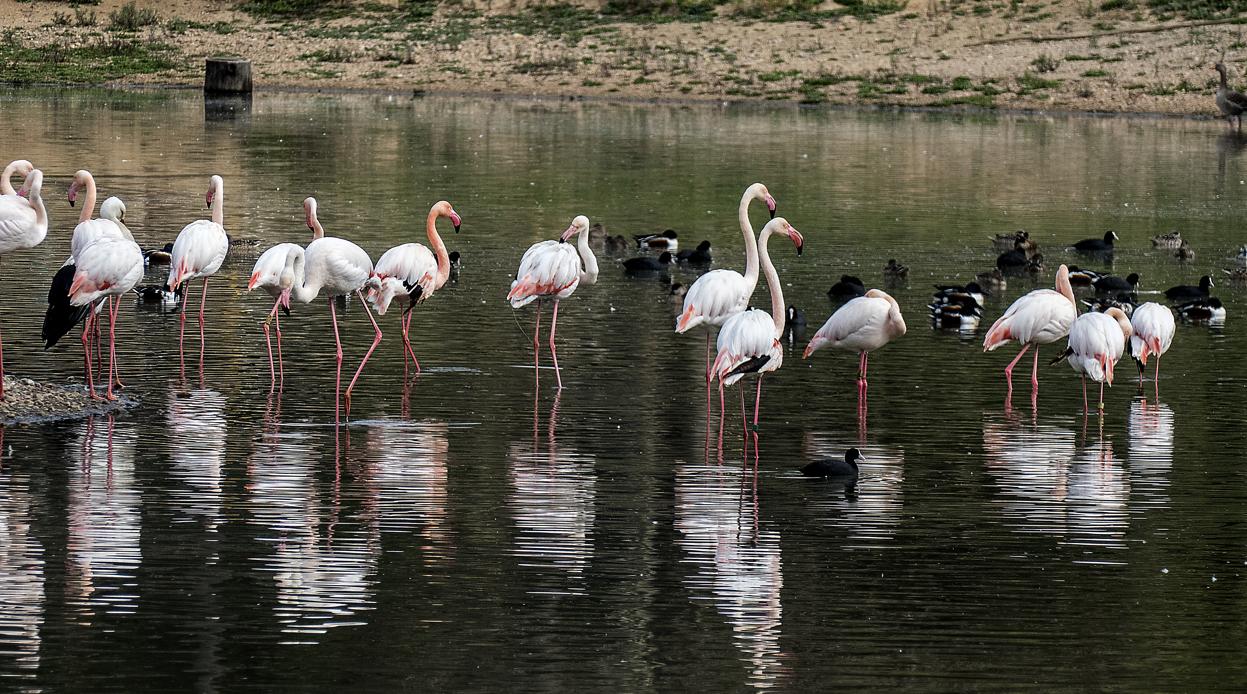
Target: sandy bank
30, 402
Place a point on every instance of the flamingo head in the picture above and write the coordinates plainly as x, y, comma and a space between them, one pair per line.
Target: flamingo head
32, 185
1127, 330
443, 209
113, 208
23, 168
80, 179
579, 225
814, 345
761, 193
215, 184
309, 211
779, 225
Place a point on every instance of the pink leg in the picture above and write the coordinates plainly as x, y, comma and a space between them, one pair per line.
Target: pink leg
375, 341
1009, 368
1085, 406
337, 382
865, 368
1157, 380
182, 322
407, 342
744, 422
537, 347
268, 342
112, 349
86, 352
721, 410
281, 367
707, 373
1101, 397
1035, 371
203, 302
115, 373
554, 355
757, 403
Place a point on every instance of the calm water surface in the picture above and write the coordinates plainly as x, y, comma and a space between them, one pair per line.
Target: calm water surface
468, 531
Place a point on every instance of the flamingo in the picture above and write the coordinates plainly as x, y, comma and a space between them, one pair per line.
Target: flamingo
1096, 342
1037, 318
721, 294
749, 340
20, 167
862, 325
23, 224
1153, 334
410, 273
337, 267
553, 268
107, 268
198, 251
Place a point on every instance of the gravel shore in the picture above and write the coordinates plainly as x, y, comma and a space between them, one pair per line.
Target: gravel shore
30, 402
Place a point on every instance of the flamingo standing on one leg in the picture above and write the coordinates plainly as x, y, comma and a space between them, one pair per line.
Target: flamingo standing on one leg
749, 340
720, 294
410, 273
23, 224
554, 268
1037, 318
109, 267
1153, 328
22, 168
337, 267
1096, 342
862, 325
199, 251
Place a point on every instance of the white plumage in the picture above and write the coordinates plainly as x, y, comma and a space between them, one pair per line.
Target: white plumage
109, 225
1154, 328
744, 336
23, 221
109, 267
273, 270
1040, 317
21, 167
202, 245
334, 266
1096, 343
410, 265
547, 268
863, 324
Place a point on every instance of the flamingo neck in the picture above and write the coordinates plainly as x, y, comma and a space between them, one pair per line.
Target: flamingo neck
439, 247
1064, 287
590, 273
88, 203
778, 310
318, 232
218, 203
301, 289
6, 178
41, 212
751, 243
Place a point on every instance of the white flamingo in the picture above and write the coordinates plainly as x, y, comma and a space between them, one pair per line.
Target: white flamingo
336, 267
1153, 334
749, 340
410, 273
1037, 318
199, 251
22, 168
107, 268
24, 224
862, 325
554, 269
1096, 342
721, 294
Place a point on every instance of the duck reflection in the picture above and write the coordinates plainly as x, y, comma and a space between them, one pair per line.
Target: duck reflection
408, 471
197, 432
553, 492
324, 569
870, 507
1150, 450
22, 590
103, 545
738, 563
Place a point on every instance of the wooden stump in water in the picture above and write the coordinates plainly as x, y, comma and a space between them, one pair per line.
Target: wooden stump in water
227, 76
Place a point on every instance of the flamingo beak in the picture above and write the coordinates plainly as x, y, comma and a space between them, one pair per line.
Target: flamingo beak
285, 298
23, 192
309, 224
72, 196
770, 206
208, 199
571, 231
813, 346
455, 220
797, 239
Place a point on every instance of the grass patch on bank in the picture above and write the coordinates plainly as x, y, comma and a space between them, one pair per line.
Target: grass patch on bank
95, 62
131, 17
1197, 9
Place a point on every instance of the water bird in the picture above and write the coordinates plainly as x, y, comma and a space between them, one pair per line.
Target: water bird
862, 325
1101, 304
962, 313
275, 271
749, 340
1206, 309
952, 293
597, 234
554, 269
794, 323
894, 270
616, 244
1187, 292
847, 288
1230, 103
1236, 275
1080, 277
1153, 334
1172, 239
23, 224
410, 273
1040, 317
1016, 262
835, 468
456, 263
699, 256
644, 266
720, 294
158, 256
1242, 255
160, 295
1112, 283
1184, 252
198, 252
992, 280
18, 167
1096, 343
667, 240
106, 269
1101, 245
676, 293
1010, 241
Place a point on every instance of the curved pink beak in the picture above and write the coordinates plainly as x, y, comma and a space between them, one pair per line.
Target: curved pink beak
813, 345
72, 196
770, 206
571, 231
23, 192
208, 199
797, 240
455, 220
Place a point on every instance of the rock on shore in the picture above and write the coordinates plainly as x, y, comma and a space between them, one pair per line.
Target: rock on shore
27, 401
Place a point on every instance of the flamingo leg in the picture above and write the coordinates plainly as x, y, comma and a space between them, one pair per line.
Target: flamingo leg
95, 330
281, 367
537, 347
112, 349
203, 302
407, 341
1035, 371
337, 382
86, 353
1085, 406
1157, 379
1101, 397
744, 423
272, 371
1009, 368
707, 374
721, 409
182, 326
375, 341
757, 403
115, 373
554, 355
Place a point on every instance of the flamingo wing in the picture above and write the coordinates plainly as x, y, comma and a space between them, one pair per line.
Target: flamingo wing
413, 264
199, 250
108, 266
1095, 344
856, 325
1040, 316
1153, 330
714, 298
547, 268
18, 223
268, 267
748, 336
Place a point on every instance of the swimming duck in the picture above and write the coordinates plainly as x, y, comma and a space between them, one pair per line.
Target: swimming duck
1238, 275
991, 280
1171, 240
666, 240
644, 266
1113, 283
835, 468
961, 314
894, 270
952, 293
456, 261
847, 288
676, 293
1104, 245
1079, 277
1207, 309
1019, 239
1184, 252
699, 256
159, 295
1186, 292
158, 256
1102, 304
616, 244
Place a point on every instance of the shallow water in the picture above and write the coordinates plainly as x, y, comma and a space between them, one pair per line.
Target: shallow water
467, 531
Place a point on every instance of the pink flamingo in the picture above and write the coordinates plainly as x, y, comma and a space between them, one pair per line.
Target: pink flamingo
553, 268
337, 267
862, 325
410, 273
20, 167
749, 340
1096, 342
720, 294
107, 268
1153, 334
199, 251
23, 224
1038, 318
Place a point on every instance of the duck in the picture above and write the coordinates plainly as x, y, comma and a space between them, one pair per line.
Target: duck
1207, 309
676, 293
1184, 252
615, 244
1242, 255
952, 293
597, 234
158, 256
643, 266
698, 256
1237, 275
1104, 245
1230, 103
1017, 262
1113, 283
667, 240
894, 270
847, 288
1079, 277
1020, 238
794, 322
835, 468
1171, 240
1101, 304
160, 295
963, 314
1187, 292
456, 262
992, 280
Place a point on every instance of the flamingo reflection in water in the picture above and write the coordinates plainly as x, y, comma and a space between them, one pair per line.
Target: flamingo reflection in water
407, 475
197, 429
1149, 451
22, 593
